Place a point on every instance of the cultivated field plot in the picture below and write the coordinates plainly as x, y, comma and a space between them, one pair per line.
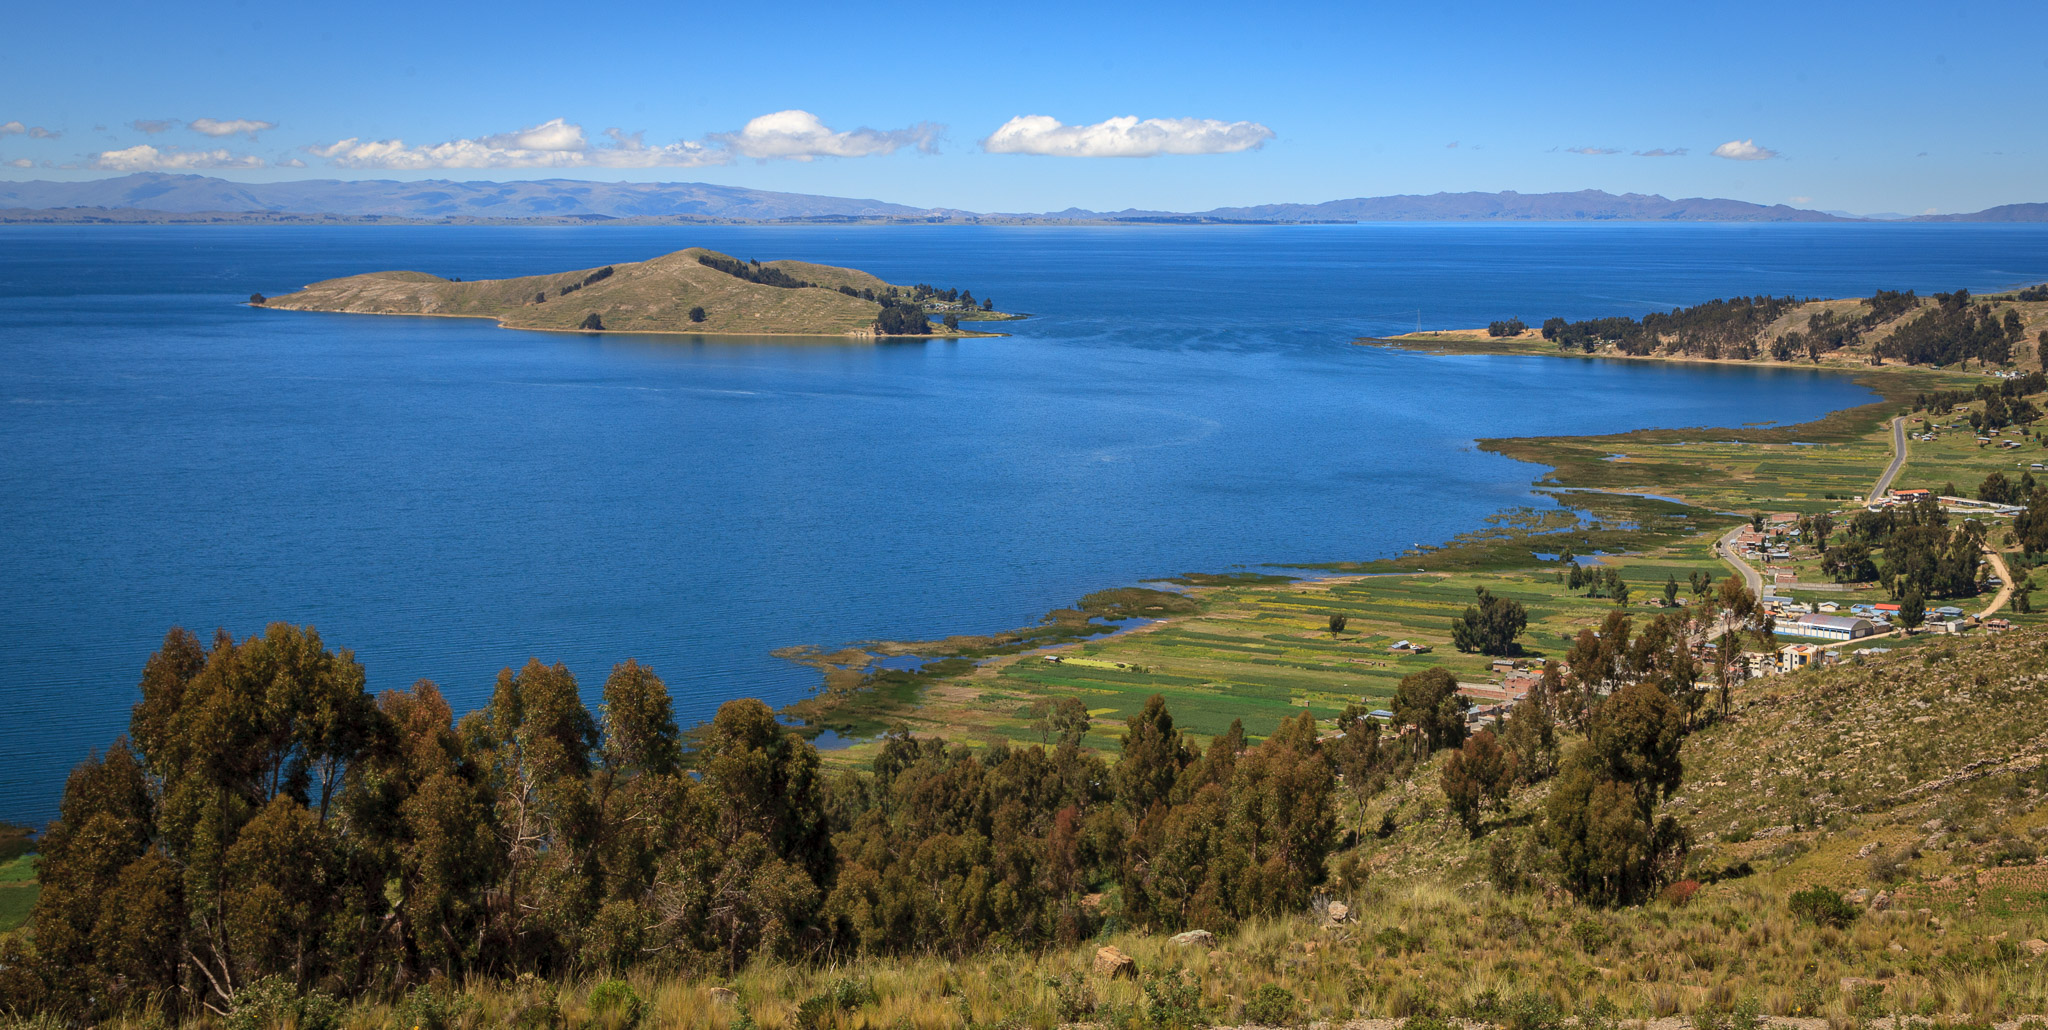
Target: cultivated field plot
1265, 653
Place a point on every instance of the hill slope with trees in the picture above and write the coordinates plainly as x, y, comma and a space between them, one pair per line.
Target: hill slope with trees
272, 842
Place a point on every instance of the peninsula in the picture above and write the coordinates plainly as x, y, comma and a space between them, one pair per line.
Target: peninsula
695, 291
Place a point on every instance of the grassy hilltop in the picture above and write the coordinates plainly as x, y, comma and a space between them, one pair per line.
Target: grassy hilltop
1888, 328
690, 291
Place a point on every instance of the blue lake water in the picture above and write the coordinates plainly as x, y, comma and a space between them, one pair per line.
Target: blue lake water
448, 498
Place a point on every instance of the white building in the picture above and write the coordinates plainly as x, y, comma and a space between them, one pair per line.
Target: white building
1827, 627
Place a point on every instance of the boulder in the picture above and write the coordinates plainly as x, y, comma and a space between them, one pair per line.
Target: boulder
1111, 963
2037, 947
1193, 938
1880, 902
1339, 911
724, 997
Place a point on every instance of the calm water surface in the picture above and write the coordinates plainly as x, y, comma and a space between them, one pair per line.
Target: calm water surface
448, 498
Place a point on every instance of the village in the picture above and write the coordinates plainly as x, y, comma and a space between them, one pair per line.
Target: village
1847, 622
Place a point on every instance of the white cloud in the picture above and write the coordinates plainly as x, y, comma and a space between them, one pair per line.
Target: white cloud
290, 162
1662, 152
145, 158
1125, 137
1800, 200
1593, 151
31, 131
800, 136
154, 125
228, 127
556, 143
1744, 150
22, 162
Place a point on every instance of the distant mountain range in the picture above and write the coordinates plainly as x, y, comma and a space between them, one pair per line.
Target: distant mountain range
1585, 205
154, 196
440, 198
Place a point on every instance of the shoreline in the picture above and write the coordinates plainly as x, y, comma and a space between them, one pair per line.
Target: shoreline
1627, 495
827, 708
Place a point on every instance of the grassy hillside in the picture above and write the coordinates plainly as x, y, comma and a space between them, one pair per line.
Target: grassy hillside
1751, 342
1913, 786
645, 296
1918, 777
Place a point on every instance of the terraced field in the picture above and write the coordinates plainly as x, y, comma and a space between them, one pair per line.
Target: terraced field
1262, 653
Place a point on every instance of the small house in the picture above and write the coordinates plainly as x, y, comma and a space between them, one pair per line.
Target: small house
1793, 657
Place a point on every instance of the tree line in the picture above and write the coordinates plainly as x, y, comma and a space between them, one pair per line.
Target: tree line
266, 820
1715, 329
2005, 401
1952, 330
753, 272
267, 817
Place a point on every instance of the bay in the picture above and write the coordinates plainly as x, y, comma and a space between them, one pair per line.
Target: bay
448, 498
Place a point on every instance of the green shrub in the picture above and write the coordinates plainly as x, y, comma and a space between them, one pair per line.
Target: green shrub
1272, 1005
1395, 941
1073, 997
1590, 936
1748, 1015
534, 1006
276, 1002
432, 1006
843, 995
1532, 1011
1823, 906
1173, 1001
1600, 1015
614, 1004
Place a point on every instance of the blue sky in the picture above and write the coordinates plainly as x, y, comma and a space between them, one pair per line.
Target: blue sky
1858, 107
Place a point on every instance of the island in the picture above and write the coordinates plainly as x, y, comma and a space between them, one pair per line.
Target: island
696, 291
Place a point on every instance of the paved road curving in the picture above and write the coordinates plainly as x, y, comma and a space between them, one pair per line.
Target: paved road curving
1725, 550
1725, 547
1891, 472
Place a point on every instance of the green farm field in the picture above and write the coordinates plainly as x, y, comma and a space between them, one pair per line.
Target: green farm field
18, 891
1264, 652
1261, 651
